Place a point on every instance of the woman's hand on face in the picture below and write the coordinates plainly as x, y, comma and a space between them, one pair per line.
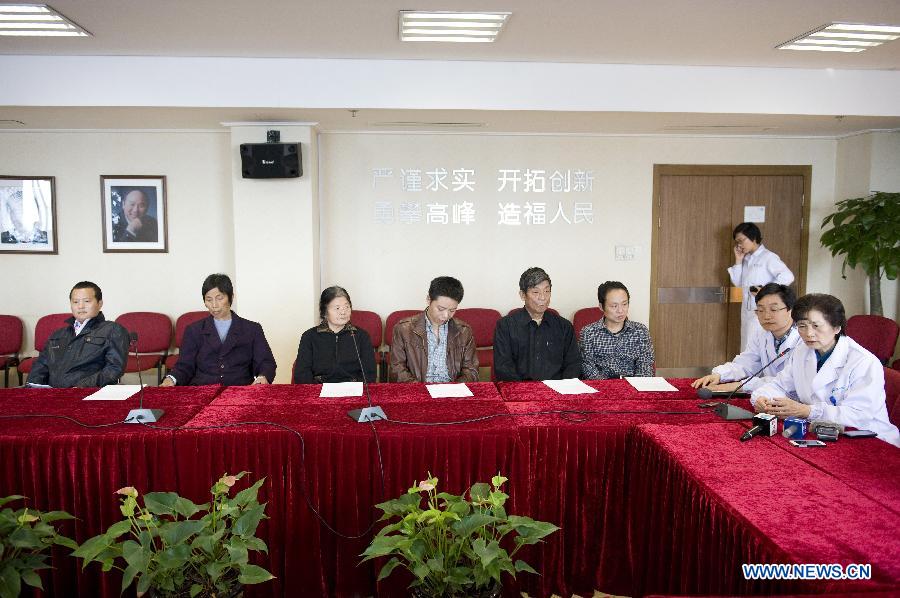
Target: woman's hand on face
738, 254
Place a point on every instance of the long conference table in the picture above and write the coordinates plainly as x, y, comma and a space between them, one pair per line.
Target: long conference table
653, 494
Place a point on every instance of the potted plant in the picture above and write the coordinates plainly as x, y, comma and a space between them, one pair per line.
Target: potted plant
25, 537
454, 546
178, 548
866, 231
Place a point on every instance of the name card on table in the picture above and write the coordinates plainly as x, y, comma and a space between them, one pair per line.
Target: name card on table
332, 390
570, 386
651, 384
114, 392
444, 391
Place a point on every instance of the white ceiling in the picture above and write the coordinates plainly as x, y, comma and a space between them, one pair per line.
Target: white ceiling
732, 33
684, 32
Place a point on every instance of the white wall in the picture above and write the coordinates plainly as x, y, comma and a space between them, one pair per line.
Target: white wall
197, 167
387, 267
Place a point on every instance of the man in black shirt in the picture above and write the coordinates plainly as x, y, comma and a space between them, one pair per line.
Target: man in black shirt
533, 343
89, 351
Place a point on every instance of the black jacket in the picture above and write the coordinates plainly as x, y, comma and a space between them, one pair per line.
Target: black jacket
525, 351
324, 356
96, 357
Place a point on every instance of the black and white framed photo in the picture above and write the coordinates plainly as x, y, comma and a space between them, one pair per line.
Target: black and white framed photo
134, 214
28, 214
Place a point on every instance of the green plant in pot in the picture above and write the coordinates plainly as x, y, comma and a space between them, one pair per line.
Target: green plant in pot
26, 536
177, 548
453, 545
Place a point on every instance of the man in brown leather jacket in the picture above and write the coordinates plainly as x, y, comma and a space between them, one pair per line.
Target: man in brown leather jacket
433, 346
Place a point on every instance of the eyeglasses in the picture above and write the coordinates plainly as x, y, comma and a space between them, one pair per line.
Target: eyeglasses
772, 310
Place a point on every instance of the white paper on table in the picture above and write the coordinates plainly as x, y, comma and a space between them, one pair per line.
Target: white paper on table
114, 392
651, 384
443, 391
341, 389
570, 386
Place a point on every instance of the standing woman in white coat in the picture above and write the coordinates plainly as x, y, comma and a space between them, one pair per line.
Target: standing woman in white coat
829, 377
754, 266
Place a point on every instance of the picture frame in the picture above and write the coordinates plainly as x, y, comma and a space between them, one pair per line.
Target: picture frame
28, 215
135, 214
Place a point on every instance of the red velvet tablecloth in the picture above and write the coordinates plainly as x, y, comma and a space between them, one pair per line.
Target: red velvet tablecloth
653, 494
60, 465
706, 503
606, 389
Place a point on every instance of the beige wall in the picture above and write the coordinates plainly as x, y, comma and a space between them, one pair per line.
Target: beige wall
197, 167
383, 267
387, 267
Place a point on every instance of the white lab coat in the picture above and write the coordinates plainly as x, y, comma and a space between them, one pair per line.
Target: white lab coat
757, 269
848, 390
760, 351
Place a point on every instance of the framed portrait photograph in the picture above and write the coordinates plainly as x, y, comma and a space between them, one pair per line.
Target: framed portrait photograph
28, 214
134, 214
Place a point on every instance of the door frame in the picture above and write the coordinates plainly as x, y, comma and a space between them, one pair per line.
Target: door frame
660, 170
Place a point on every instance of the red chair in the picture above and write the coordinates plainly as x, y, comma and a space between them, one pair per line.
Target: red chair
46, 326
10, 344
154, 335
875, 333
515, 309
183, 321
892, 394
896, 365
585, 316
389, 324
483, 321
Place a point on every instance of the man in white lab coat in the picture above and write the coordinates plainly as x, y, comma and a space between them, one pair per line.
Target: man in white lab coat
754, 266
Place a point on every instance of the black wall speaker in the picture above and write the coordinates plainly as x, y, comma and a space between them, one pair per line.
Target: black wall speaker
271, 160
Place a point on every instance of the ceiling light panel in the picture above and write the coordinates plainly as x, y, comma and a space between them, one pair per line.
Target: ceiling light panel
446, 26
843, 37
26, 20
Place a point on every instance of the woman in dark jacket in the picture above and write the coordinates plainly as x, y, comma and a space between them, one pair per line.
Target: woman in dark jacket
333, 350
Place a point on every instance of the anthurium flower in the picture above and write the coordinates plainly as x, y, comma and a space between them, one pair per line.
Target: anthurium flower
128, 491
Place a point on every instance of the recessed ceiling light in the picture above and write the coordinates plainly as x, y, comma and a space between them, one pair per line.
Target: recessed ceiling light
446, 26
26, 20
843, 37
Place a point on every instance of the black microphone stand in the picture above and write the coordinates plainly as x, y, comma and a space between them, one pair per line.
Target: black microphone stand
141, 415
372, 412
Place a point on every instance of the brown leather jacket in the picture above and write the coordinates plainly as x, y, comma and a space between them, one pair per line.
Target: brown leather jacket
409, 351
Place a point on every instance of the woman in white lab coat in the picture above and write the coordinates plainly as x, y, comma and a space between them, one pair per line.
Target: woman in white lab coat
829, 377
754, 266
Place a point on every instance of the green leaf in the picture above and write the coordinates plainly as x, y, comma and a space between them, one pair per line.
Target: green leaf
134, 553
128, 576
237, 552
215, 569
24, 537
161, 503
91, 548
187, 508
388, 567
254, 543
246, 496
498, 480
177, 532
479, 492
117, 529
421, 571
251, 574
247, 523
10, 585
174, 557
32, 579
382, 546
486, 552
65, 541
10, 498
51, 516
469, 524
523, 566
436, 564
196, 589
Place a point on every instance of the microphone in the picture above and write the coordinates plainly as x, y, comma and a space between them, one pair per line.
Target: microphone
827, 431
758, 372
795, 428
370, 413
763, 424
705, 393
140, 415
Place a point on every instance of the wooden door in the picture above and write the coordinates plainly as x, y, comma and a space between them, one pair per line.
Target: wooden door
693, 323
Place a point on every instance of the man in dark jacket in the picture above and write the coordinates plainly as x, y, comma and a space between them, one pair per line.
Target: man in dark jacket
89, 351
434, 346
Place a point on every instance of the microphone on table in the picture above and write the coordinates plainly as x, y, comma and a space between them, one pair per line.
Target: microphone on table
795, 428
370, 413
764, 424
727, 411
140, 415
827, 431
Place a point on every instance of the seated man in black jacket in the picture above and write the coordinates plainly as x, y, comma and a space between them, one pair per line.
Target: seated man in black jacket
89, 351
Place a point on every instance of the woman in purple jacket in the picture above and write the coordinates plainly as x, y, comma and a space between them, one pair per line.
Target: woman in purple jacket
223, 348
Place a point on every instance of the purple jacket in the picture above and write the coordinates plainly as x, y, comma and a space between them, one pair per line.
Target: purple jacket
204, 359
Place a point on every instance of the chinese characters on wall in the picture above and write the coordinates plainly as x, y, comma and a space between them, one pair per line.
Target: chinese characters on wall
424, 196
